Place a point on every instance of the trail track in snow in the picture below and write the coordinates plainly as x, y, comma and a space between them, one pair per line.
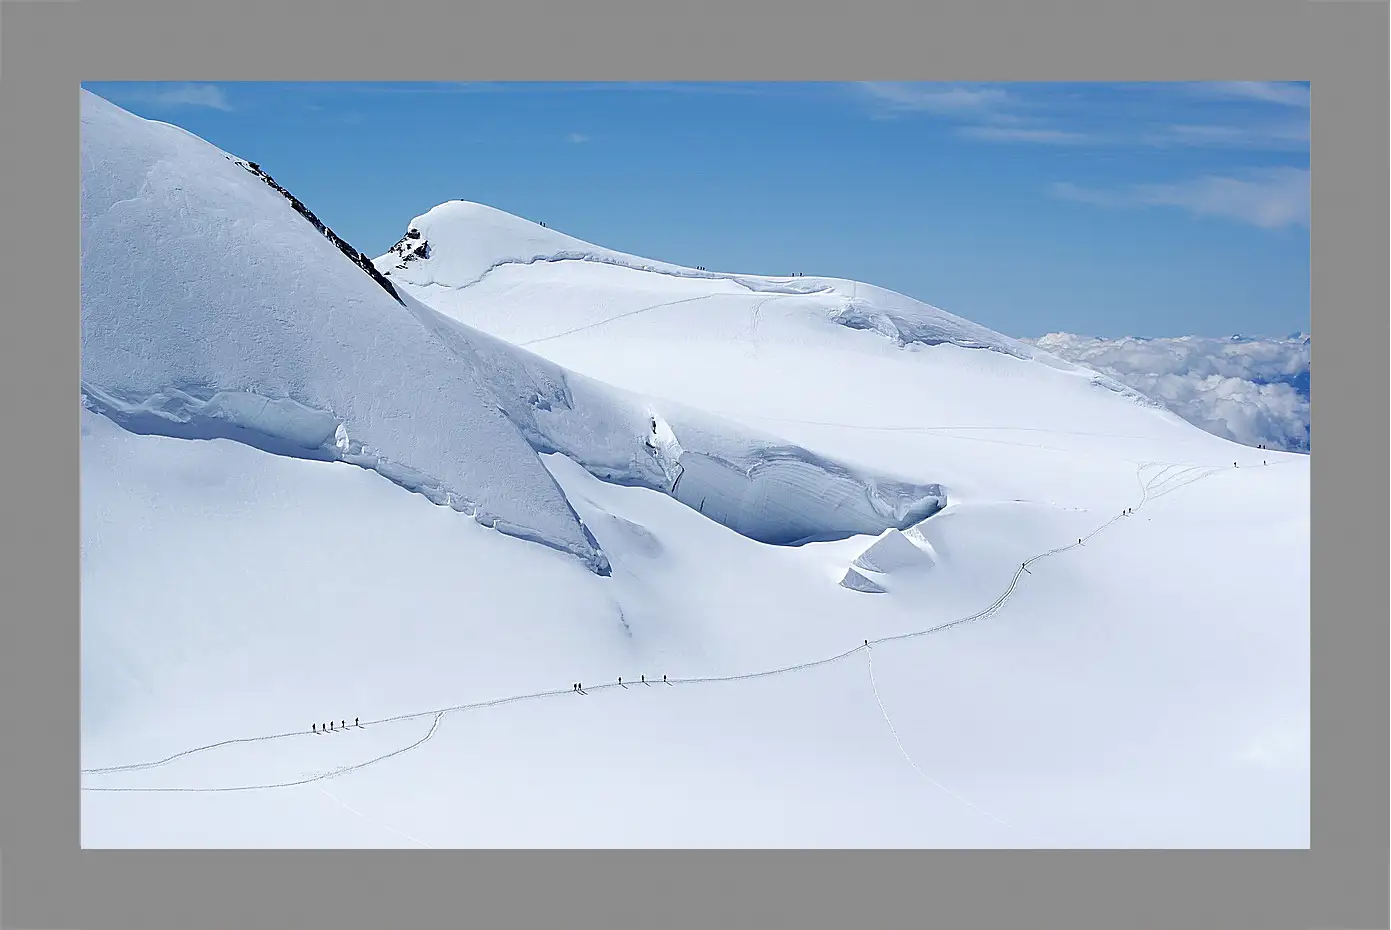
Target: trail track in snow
621, 316
754, 284
370, 819
307, 780
753, 317
1161, 483
869, 654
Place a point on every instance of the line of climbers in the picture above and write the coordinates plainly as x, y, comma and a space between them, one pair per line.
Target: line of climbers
331, 727
578, 687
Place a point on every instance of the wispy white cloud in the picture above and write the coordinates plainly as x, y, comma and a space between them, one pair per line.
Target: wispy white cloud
1153, 115
391, 88
577, 138
1254, 391
954, 99
1292, 136
696, 87
1272, 198
1282, 93
982, 113
210, 96
1035, 135
533, 87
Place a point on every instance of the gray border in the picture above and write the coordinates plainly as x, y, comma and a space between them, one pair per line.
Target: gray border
49, 47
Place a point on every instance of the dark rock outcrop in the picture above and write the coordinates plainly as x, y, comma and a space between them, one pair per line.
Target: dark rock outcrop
358, 258
410, 247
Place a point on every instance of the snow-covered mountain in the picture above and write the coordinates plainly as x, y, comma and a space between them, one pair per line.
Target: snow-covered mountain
433, 491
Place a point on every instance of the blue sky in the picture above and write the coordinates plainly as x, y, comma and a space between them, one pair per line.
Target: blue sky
1101, 209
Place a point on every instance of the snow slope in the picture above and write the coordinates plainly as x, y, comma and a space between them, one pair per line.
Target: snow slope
210, 308
1094, 677
754, 483
458, 245
311, 362
870, 377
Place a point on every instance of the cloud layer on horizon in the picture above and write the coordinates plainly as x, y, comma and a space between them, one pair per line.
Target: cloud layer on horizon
1252, 391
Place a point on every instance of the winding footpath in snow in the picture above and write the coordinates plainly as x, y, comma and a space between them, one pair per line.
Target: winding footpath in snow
1165, 481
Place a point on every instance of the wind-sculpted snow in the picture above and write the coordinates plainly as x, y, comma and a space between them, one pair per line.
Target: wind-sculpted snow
855, 581
893, 552
757, 485
210, 308
273, 424
905, 321
784, 494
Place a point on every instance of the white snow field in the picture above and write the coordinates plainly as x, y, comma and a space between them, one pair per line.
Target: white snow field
433, 501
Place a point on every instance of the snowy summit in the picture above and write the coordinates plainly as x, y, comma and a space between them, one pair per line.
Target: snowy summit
503, 538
